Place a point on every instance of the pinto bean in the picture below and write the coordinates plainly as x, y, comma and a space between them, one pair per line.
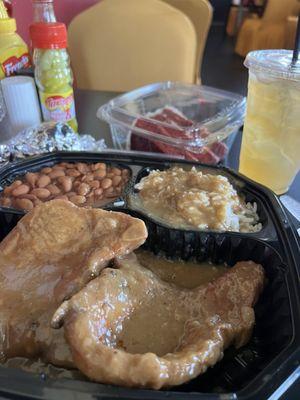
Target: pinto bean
83, 168
94, 184
16, 184
46, 170
29, 196
99, 165
43, 181
80, 182
73, 172
31, 178
41, 193
76, 184
116, 171
21, 189
69, 165
109, 192
99, 174
116, 180
83, 189
61, 197
98, 192
37, 201
7, 191
6, 202
66, 183
77, 199
24, 204
53, 189
88, 177
106, 183
58, 166
70, 194
91, 194
56, 173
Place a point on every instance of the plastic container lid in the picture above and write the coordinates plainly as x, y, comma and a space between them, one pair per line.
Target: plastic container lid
277, 63
219, 113
50, 35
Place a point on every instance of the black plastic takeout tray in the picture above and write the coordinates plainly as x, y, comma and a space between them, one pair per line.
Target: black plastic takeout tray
268, 364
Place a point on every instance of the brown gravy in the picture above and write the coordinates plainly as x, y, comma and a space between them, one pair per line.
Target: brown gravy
140, 332
187, 274
194, 199
150, 326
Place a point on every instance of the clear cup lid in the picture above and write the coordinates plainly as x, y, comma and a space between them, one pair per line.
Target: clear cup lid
277, 63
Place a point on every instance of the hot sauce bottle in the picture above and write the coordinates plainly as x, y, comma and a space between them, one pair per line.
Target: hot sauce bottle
53, 74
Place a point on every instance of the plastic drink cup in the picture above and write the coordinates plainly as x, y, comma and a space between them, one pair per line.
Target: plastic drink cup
270, 152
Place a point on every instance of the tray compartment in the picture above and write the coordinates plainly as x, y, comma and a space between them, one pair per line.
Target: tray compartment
242, 373
9, 217
273, 331
267, 231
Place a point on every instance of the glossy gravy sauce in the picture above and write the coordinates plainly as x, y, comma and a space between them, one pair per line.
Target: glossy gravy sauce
187, 274
158, 325
155, 327
190, 199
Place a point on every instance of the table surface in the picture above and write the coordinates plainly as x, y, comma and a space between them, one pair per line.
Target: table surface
87, 104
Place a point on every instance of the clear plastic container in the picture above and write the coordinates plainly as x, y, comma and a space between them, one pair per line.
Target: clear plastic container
188, 121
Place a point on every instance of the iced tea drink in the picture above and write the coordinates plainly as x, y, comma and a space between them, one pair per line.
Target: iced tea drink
270, 152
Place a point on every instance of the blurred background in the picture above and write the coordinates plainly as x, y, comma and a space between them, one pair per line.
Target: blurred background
237, 27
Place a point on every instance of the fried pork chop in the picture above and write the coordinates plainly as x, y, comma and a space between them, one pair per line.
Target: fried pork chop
51, 254
128, 327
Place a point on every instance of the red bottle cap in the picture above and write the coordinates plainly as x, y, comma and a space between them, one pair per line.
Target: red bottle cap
50, 35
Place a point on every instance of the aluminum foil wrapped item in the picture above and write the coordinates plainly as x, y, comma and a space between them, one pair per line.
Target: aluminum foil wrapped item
45, 138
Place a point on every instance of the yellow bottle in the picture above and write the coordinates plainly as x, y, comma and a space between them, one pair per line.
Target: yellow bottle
14, 53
